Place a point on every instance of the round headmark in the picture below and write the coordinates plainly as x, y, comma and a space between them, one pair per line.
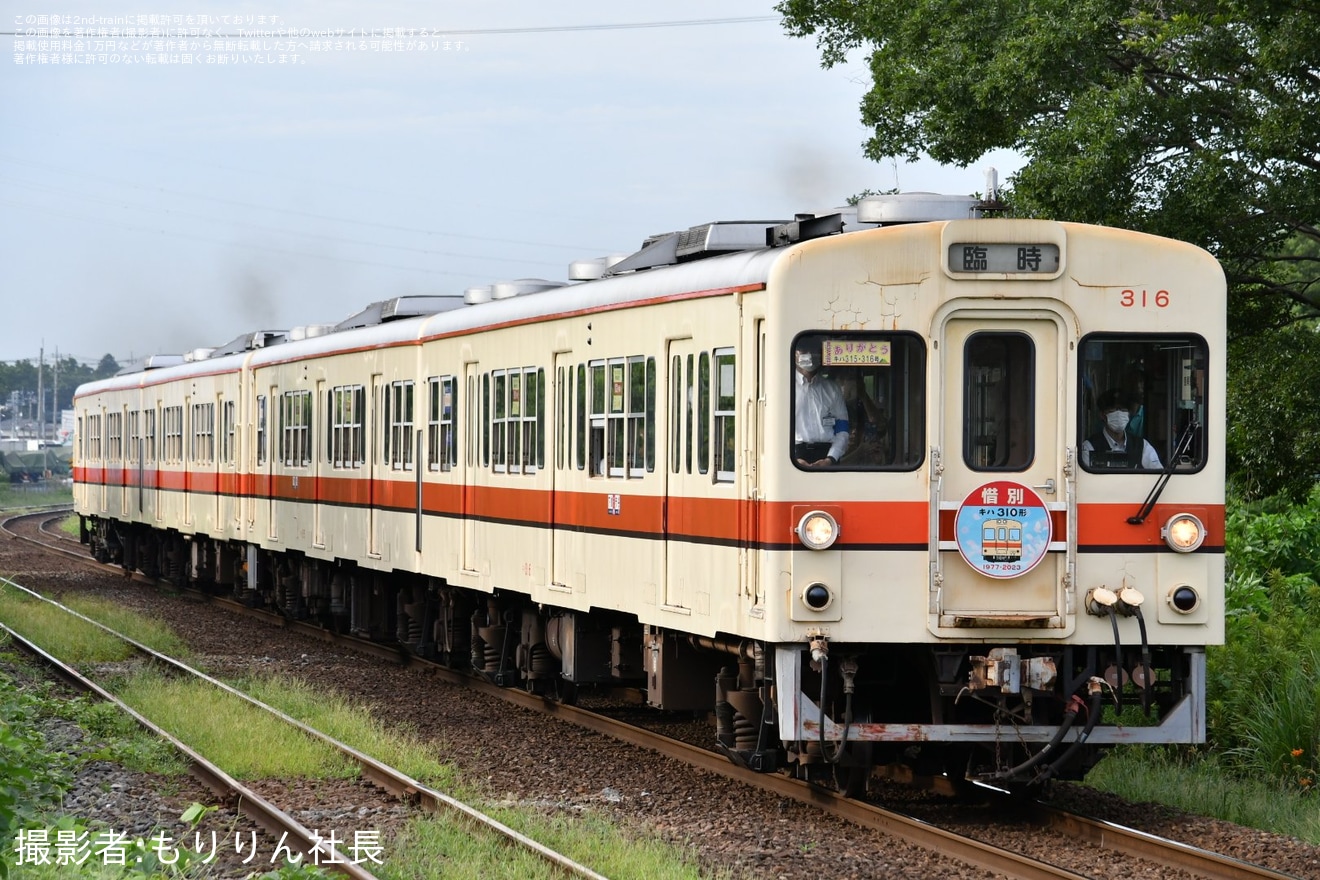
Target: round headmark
1003, 529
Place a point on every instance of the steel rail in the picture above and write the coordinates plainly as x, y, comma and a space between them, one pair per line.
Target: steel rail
251, 804
394, 781
1116, 838
1161, 850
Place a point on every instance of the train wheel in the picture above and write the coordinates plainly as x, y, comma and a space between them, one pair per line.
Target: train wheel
566, 691
853, 771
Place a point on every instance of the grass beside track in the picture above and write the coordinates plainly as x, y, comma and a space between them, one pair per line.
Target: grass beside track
244, 741
19, 496
1200, 785
72, 640
251, 744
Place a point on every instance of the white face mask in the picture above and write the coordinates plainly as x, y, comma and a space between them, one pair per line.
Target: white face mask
1117, 420
806, 362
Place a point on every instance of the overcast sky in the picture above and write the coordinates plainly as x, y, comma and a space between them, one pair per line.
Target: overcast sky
159, 207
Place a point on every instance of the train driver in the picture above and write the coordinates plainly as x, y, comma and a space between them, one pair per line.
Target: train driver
1116, 447
820, 416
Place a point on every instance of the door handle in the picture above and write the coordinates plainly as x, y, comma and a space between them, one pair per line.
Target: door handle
1048, 486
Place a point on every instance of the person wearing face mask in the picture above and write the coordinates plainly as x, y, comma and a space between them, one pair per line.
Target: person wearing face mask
1113, 443
820, 416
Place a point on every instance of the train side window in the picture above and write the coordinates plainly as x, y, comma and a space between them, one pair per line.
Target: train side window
703, 413
999, 391
295, 428
540, 418
203, 433
688, 421
636, 441
441, 439
596, 426
561, 403
519, 420
514, 413
726, 451
676, 414
399, 425
93, 437
114, 427
149, 433
499, 405
616, 416
386, 438
261, 430
470, 403
134, 452
1142, 402
650, 415
345, 421
228, 430
172, 433
485, 419
581, 418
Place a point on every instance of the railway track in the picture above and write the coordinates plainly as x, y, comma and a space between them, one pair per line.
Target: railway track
1122, 842
263, 812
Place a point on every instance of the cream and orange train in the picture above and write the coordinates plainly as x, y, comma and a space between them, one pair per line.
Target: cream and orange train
595, 484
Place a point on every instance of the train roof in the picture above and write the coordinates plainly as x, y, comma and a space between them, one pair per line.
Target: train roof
710, 257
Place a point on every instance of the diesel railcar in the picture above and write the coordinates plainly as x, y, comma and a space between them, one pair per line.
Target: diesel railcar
599, 484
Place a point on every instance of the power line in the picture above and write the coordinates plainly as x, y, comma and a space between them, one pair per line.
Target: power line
81, 197
249, 205
244, 246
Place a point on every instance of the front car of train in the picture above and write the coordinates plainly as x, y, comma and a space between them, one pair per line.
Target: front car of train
993, 517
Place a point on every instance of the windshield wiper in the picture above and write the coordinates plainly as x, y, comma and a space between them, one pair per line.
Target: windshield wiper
1148, 505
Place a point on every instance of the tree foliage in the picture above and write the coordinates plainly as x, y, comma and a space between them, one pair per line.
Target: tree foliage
1195, 119
60, 379
1273, 418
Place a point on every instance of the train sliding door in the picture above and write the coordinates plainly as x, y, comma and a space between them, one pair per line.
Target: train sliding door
473, 413
567, 540
1000, 560
377, 429
685, 467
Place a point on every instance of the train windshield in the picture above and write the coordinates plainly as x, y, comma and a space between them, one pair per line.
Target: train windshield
859, 401
1142, 402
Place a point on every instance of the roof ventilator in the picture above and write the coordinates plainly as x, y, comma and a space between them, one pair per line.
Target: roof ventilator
251, 342
398, 308
916, 207
522, 287
590, 270
804, 228
706, 240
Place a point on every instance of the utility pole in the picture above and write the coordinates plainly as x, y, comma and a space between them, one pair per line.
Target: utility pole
41, 395
55, 392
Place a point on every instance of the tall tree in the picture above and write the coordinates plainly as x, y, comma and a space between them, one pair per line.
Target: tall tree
107, 367
1196, 119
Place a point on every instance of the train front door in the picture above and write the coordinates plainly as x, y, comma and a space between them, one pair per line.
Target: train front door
1001, 559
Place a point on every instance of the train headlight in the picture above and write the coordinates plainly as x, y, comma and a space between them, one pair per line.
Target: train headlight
817, 530
1183, 533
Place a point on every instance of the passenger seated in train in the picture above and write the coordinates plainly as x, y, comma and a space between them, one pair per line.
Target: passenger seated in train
1113, 446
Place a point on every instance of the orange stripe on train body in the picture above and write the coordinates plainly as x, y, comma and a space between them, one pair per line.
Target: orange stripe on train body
724, 520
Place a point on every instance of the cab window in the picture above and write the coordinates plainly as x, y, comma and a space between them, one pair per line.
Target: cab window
1141, 402
880, 379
